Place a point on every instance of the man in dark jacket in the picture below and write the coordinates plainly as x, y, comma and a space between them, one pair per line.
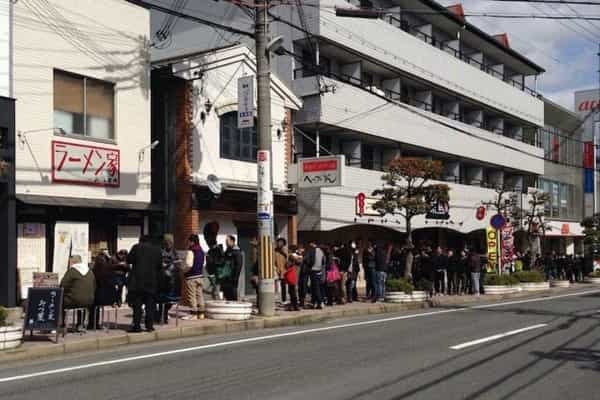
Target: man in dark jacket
439, 262
146, 263
234, 259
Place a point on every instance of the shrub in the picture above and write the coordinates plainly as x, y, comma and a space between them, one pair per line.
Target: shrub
399, 285
500, 280
529, 276
424, 285
3, 316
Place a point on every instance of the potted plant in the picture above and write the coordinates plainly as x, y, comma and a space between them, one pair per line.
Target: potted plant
501, 284
402, 291
594, 277
10, 336
228, 310
532, 280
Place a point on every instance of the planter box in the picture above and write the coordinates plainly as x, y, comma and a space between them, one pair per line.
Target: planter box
228, 310
560, 284
595, 281
500, 289
535, 286
417, 296
10, 337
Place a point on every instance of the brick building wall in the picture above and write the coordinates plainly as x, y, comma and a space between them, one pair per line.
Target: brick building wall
188, 219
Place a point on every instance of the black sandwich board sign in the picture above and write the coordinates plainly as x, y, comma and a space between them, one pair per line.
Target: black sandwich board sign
44, 310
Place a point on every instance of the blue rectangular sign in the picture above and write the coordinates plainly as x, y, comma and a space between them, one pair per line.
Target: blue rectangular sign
588, 181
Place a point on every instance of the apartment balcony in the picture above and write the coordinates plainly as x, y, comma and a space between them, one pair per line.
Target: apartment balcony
433, 62
325, 209
358, 110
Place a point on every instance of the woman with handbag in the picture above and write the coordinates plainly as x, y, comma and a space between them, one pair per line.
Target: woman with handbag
193, 293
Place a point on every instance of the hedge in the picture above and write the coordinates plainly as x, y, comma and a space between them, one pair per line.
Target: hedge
500, 280
529, 276
399, 285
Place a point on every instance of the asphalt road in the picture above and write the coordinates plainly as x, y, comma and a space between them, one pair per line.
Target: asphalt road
552, 351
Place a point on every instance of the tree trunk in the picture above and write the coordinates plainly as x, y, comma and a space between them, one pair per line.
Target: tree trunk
409, 255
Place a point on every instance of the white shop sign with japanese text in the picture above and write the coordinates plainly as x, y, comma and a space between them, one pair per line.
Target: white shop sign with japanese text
246, 102
85, 164
321, 171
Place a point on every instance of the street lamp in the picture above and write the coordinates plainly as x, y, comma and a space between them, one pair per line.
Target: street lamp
23, 138
151, 146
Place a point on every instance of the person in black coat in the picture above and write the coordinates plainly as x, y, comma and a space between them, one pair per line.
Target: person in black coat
146, 264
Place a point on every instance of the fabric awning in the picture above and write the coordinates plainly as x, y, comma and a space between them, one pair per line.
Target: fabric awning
86, 203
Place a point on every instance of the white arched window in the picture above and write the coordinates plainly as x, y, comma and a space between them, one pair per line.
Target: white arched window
237, 144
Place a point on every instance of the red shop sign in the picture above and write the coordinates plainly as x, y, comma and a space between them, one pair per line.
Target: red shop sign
85, 164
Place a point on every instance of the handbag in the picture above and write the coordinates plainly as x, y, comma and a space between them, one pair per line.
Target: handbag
333, 275
224, 271
188, 262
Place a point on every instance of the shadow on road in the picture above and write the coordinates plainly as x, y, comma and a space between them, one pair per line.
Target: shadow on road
561, 353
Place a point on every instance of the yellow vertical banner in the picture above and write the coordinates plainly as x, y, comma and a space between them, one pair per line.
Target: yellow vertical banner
491, 238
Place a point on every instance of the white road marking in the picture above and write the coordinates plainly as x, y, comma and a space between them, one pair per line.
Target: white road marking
275, 336
496, 337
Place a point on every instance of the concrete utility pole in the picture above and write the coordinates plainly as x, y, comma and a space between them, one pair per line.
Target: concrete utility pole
266, 294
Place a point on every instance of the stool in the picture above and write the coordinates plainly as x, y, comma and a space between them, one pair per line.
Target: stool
74, 312
99, 309
163, 314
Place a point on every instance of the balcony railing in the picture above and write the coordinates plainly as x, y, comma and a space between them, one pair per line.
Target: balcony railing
459, 54
397, 96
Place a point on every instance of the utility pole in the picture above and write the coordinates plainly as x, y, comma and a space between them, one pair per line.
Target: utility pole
266, 292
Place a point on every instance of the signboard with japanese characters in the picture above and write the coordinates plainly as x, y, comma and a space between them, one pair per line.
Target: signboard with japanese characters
365, 206
439, 210
246, 102
321, 171
85, 164
44, 309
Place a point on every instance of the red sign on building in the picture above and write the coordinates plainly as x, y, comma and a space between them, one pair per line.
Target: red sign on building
85, 164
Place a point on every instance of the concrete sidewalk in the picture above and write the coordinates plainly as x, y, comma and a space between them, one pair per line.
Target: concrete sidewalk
40, 346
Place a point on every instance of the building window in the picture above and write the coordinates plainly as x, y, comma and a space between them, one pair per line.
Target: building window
3, 138
368, 157
83, 106
237, 144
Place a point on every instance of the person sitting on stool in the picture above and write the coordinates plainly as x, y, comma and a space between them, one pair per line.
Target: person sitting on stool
79, 285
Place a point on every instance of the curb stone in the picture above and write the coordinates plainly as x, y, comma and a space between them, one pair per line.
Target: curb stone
255, 323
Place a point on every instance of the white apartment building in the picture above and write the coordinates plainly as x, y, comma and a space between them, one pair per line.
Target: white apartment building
81, 81
428, 85
407, 83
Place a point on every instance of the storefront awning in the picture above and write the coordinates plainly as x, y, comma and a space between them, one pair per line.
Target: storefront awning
564, 229
86, 203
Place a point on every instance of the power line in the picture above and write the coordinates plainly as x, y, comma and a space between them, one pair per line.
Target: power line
316, 69
193, 18
581, 3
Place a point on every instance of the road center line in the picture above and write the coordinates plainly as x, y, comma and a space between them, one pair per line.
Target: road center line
496, 337
274, 336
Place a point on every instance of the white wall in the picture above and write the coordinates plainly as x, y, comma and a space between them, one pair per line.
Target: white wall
5, 7
394, 47
330, 208
106, 40
219, 85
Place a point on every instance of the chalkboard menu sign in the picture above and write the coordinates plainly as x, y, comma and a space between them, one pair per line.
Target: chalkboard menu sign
44, 309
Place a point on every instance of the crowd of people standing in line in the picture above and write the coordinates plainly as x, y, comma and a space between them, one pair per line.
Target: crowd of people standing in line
157, 276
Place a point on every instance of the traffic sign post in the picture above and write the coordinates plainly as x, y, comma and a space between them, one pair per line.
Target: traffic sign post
497, 222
